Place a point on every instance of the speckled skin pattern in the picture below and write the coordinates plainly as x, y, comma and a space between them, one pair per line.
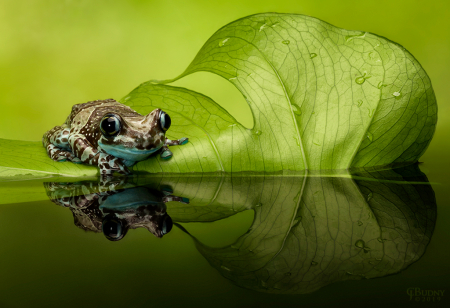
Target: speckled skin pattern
85, 200
80, 138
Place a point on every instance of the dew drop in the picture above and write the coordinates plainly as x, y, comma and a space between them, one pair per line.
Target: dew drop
348, 38
296, 109
221, 43
258, 205
371, 55
126, 98
312, 55
225, 268
371, 262
380, 240
369, 197
275, 24
361, 79
232, 78
262, 27
378, 259
258, 133
360, 244
369, 136
371, 112
314, 263
360, 223
397, 95
360, 102
286, 42
380, 85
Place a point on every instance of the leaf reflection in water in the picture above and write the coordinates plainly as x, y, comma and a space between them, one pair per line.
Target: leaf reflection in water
307, 232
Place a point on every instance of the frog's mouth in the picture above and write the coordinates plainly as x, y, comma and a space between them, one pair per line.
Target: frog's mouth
131, 154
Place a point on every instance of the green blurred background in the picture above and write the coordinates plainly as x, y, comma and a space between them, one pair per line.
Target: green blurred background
55, 53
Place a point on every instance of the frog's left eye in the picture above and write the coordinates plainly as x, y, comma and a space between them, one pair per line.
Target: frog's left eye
110, 125
165, 120
113, 228
167, 225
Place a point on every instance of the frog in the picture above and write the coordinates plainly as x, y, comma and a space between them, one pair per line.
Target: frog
111, 136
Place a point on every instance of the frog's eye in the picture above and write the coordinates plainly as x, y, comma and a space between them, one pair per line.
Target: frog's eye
167, 225
113, 228
165, 120
110, 125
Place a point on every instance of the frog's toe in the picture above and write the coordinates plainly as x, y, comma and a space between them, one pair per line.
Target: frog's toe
166, 190
61, 159
166, 154
76, 160
184, 200
183, 140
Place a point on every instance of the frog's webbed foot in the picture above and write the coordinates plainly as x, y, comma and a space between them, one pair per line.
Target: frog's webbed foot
169, 198
168, 191
61, 155
166, 153
109, 164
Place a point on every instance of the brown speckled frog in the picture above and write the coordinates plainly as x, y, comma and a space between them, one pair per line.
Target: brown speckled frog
110, 135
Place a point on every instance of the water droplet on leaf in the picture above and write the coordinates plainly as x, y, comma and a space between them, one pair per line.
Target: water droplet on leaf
221, 43
397, 95
360, 244
313, 55
361, 79
380, 85
296, 109
225, 268
348, 38
262, 27
258, 133
360, 102
314, 263
286, 42
369, 196
369, 136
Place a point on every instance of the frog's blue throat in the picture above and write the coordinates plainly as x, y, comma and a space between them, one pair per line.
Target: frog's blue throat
128, 154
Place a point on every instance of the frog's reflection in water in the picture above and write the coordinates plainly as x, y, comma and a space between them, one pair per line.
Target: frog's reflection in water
107, 208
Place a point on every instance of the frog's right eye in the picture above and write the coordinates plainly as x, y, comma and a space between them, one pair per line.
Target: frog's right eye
110, 125
113, 228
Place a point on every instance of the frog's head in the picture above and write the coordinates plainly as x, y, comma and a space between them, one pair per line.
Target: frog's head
133, 138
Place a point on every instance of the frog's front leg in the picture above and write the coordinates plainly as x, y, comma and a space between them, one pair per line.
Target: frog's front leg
84, 150
166, 153
57, 144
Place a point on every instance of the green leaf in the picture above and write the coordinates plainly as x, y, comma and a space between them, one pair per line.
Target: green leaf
310, 232
321, 97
